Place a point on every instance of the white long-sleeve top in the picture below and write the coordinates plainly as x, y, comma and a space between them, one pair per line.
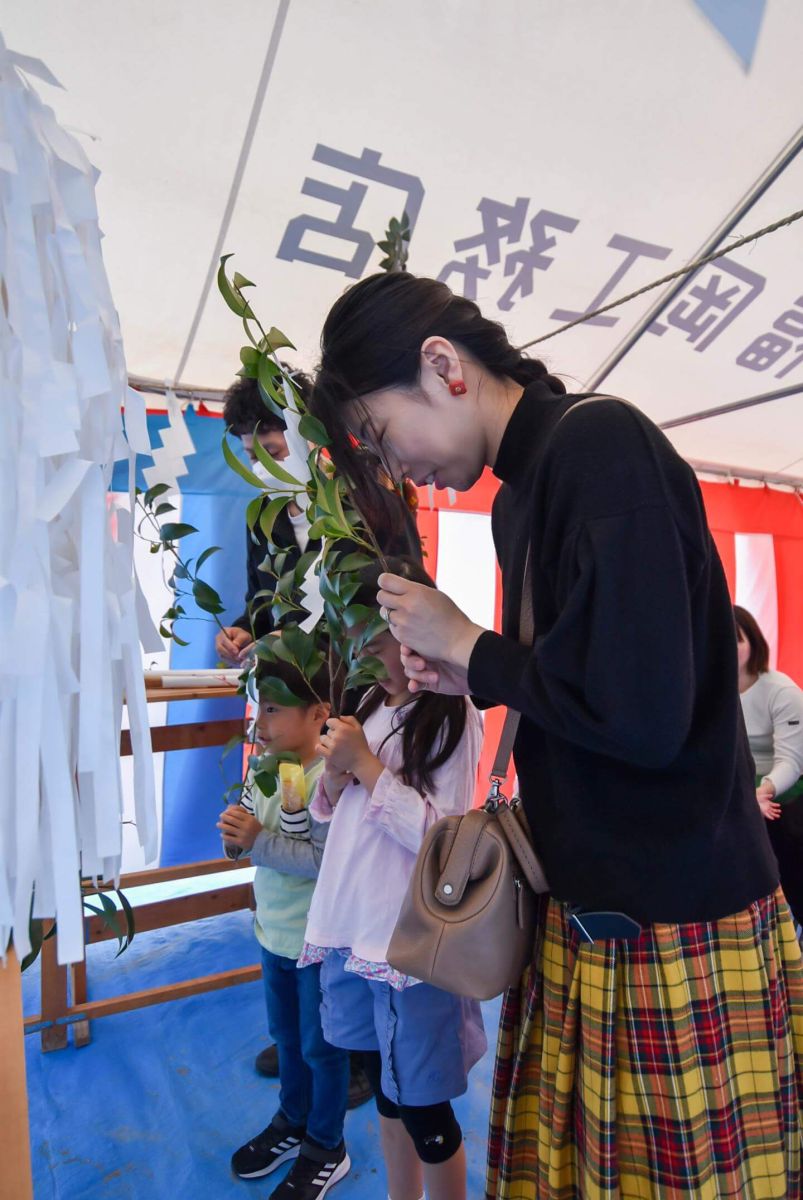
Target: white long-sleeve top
374, 839
773, 714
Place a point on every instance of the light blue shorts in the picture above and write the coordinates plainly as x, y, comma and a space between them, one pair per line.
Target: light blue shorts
428, 1039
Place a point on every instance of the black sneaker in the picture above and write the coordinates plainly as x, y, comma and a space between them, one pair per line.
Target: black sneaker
315, 1171
268, 1150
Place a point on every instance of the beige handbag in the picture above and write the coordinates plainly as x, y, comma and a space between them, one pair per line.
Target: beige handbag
467, 923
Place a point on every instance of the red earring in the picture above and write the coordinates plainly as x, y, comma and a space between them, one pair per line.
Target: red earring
458, 388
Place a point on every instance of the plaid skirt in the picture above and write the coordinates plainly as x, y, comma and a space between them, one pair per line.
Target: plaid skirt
664, 1068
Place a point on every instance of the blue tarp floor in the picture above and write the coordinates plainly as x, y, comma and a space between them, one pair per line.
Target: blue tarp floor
154, 1106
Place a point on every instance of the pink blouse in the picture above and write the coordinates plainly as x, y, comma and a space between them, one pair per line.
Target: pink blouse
372, 845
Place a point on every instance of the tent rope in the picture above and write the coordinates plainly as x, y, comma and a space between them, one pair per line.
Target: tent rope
687, 270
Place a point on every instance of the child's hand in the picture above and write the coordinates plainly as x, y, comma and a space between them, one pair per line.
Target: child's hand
238, 827
335, 783
345, 749
343, 744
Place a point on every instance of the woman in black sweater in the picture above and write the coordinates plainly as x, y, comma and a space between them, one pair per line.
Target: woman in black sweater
665, 1056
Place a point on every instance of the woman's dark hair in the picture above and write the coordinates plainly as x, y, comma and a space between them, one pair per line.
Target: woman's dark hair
432, 726
372, 339
310, 692
244, 408
746, 624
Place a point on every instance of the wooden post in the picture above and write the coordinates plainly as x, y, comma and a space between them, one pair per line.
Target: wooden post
15, 1149
80, 1031
54, 997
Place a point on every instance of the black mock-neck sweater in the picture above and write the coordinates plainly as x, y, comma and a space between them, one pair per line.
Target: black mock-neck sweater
632, 757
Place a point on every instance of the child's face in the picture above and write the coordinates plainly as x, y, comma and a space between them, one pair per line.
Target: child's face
283, 729
385, 647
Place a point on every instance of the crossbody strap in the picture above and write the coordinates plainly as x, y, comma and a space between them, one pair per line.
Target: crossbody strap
510, 727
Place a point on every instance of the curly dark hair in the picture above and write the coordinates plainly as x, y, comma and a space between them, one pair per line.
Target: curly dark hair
244, 408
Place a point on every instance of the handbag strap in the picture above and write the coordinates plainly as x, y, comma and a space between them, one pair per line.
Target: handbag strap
510, 727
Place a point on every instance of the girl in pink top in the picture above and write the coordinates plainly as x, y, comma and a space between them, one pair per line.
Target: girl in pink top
391, 772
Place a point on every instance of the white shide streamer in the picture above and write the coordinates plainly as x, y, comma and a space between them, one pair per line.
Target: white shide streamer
69, 639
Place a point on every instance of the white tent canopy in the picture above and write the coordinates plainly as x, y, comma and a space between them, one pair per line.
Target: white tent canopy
557, 153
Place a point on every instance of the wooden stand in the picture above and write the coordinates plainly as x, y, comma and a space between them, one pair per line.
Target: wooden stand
15, 1152
58, 1014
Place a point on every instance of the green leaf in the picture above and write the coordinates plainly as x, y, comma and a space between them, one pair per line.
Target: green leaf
171, 531
303, 565
163, 508
206, 597
36, 935
179, 641
154, 492
249, 356
237, 303
277, 691
300, 644
239, 467
278, 650
248, 372
180, 570
356, 614
252, 512
130, 921
313, 430
353, 562
267, 782
276, 340
270, 464
240, 281
269, 513
267, 373
204, 556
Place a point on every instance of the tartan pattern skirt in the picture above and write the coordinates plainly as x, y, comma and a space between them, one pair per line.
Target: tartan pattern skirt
664, 1068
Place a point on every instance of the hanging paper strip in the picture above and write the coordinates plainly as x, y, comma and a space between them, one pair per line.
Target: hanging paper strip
69, 639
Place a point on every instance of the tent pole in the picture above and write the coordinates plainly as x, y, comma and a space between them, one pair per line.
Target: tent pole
794, 389
239, 172
751, 198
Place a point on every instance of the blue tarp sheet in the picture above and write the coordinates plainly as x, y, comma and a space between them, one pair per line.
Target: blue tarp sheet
153, 1108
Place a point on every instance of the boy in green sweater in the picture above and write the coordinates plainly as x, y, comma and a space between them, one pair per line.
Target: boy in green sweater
286, 848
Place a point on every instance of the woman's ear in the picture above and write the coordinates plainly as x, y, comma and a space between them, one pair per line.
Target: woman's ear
321, 712
440, 363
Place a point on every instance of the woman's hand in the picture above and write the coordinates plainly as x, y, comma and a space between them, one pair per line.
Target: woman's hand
765, 795
433, 676
346, 750
238, 827
426, 619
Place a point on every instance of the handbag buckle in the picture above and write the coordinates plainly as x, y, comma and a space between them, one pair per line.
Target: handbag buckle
495, 796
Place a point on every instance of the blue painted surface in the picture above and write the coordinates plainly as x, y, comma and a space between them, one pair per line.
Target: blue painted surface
154, 1107
739, 22
214, 500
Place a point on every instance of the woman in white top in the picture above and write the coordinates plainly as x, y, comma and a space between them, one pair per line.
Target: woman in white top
772, 705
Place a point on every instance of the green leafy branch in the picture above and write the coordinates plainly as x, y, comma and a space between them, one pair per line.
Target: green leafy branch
184, 579
396, 244
348, 543
120, 921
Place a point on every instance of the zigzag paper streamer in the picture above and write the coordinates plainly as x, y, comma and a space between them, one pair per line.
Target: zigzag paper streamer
177, 444
69, 640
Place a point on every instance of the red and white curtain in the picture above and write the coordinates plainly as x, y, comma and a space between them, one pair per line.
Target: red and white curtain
758, 532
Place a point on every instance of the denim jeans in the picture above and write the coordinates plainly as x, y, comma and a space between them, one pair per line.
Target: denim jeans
313, 1076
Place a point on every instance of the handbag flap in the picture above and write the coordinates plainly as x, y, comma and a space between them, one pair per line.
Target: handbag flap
457, 868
